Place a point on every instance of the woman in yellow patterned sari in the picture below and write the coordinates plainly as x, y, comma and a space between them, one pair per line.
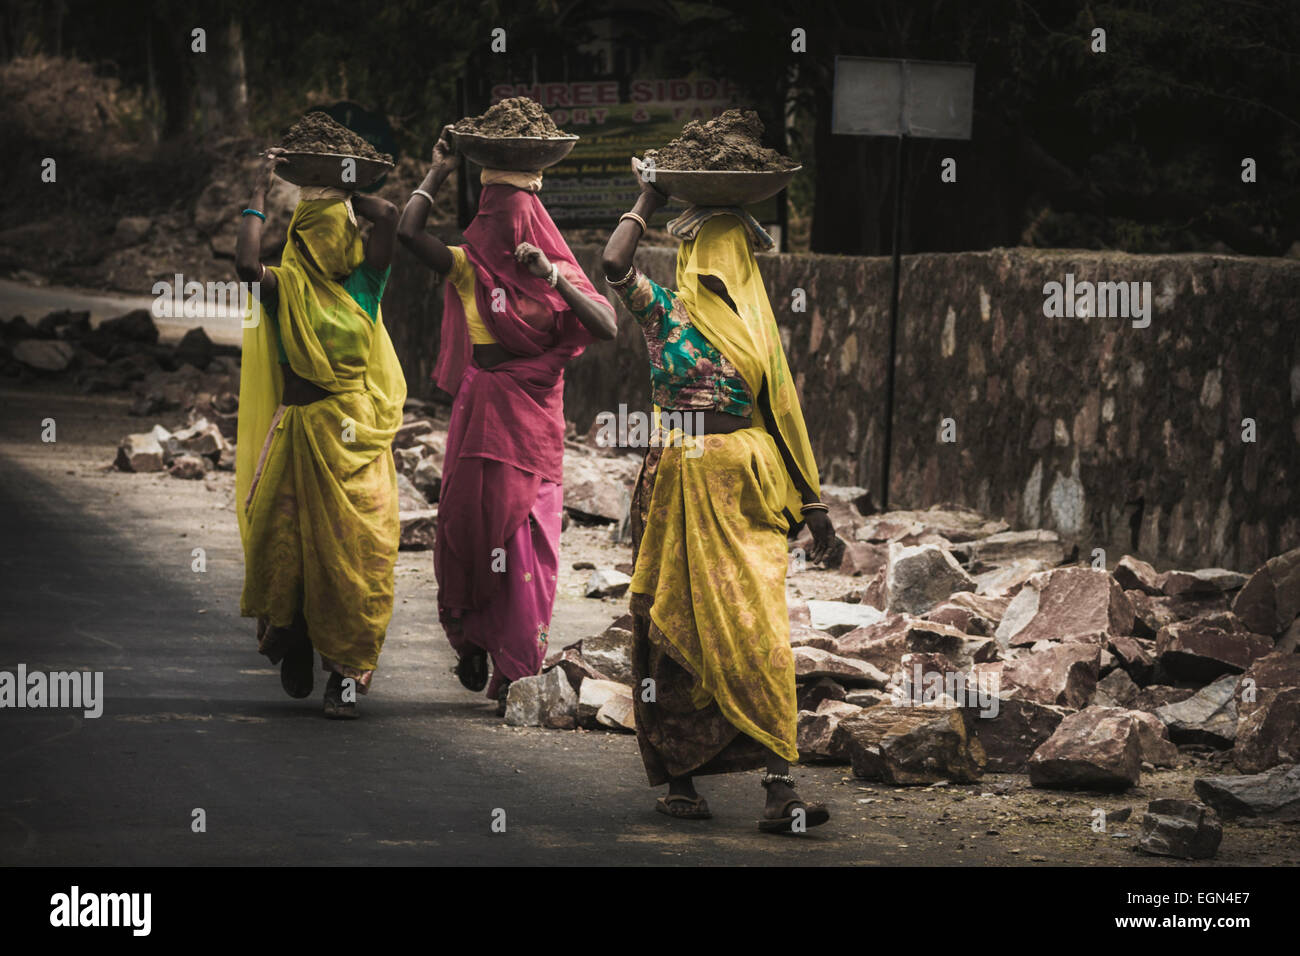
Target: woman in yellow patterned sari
320, 399
713, 508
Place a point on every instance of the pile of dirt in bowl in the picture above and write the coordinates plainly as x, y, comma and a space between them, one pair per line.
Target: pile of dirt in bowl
516, 116
317, 132
730, 141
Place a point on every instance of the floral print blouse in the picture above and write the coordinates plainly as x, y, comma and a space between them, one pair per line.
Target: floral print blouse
686, 371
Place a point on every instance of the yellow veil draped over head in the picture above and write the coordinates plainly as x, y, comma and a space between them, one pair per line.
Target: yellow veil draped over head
329, 340
750, 339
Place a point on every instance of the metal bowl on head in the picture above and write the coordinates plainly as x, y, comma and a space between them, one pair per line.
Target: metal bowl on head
521, 154
327, 169
719, 187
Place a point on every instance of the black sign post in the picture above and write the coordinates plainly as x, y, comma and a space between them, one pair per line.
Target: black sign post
900, 98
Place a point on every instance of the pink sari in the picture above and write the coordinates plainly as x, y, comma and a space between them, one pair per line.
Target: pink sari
496, 553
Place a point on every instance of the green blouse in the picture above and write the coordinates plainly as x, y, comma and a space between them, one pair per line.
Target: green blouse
686, 371
365, 284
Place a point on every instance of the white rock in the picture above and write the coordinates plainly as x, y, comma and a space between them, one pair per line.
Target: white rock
607, 582
46, 355
618, 713
140, 452
840, 616
593, 695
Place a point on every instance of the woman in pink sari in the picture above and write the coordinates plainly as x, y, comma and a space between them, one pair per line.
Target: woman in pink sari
517, 309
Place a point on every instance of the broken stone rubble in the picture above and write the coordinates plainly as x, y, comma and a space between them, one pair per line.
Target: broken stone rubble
607, 583
610, 651
816, 730
1273, 795
595, 694
1010, 736
1268, 726
910, 745
839, 617
1082, 605
1180, 828
1208, 718
1099, 748
812, 663
918, 578
1064, 675
1206, 647
1085, 700
1269, 601
159, 448
547, 700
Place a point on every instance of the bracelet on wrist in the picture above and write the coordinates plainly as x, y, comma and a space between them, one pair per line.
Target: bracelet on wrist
631, 271
253, 212
421, 192
553, 278
815, 506
635, 218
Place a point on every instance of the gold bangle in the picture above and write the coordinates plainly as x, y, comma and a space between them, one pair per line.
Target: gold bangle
635, 218
816, 506
631, 270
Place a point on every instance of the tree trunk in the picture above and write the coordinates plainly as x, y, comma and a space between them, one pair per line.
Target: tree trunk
235, 86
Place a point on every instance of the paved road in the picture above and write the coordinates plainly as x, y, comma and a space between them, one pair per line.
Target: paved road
96, 574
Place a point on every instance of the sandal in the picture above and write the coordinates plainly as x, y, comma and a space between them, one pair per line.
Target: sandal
815, 815
684, 807
335, 707
472, 670
298, 666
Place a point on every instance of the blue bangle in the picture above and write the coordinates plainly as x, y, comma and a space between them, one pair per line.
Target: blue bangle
254, 212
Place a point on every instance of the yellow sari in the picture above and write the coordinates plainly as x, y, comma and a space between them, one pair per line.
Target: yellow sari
711, 564
316, 487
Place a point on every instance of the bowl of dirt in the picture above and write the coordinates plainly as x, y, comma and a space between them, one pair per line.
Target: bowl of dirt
718, 163
516, 134
321, 152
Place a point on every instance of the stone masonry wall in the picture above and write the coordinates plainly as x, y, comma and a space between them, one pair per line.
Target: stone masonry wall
1113, 435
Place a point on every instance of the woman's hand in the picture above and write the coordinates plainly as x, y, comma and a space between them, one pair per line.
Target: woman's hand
444, 154
823, 532
533, 259
651, 199
271, 159
594, 313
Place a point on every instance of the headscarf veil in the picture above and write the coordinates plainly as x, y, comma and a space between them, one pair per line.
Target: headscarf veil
749, 339
328, 338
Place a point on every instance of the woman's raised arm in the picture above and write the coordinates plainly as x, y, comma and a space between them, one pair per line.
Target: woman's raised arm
428, 248
617, 260
594, 312
248, 245
379, 247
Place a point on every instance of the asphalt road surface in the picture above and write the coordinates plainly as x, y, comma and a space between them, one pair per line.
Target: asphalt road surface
97, 575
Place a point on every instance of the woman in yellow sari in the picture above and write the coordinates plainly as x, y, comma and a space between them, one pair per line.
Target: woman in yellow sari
320, 399
713, 507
